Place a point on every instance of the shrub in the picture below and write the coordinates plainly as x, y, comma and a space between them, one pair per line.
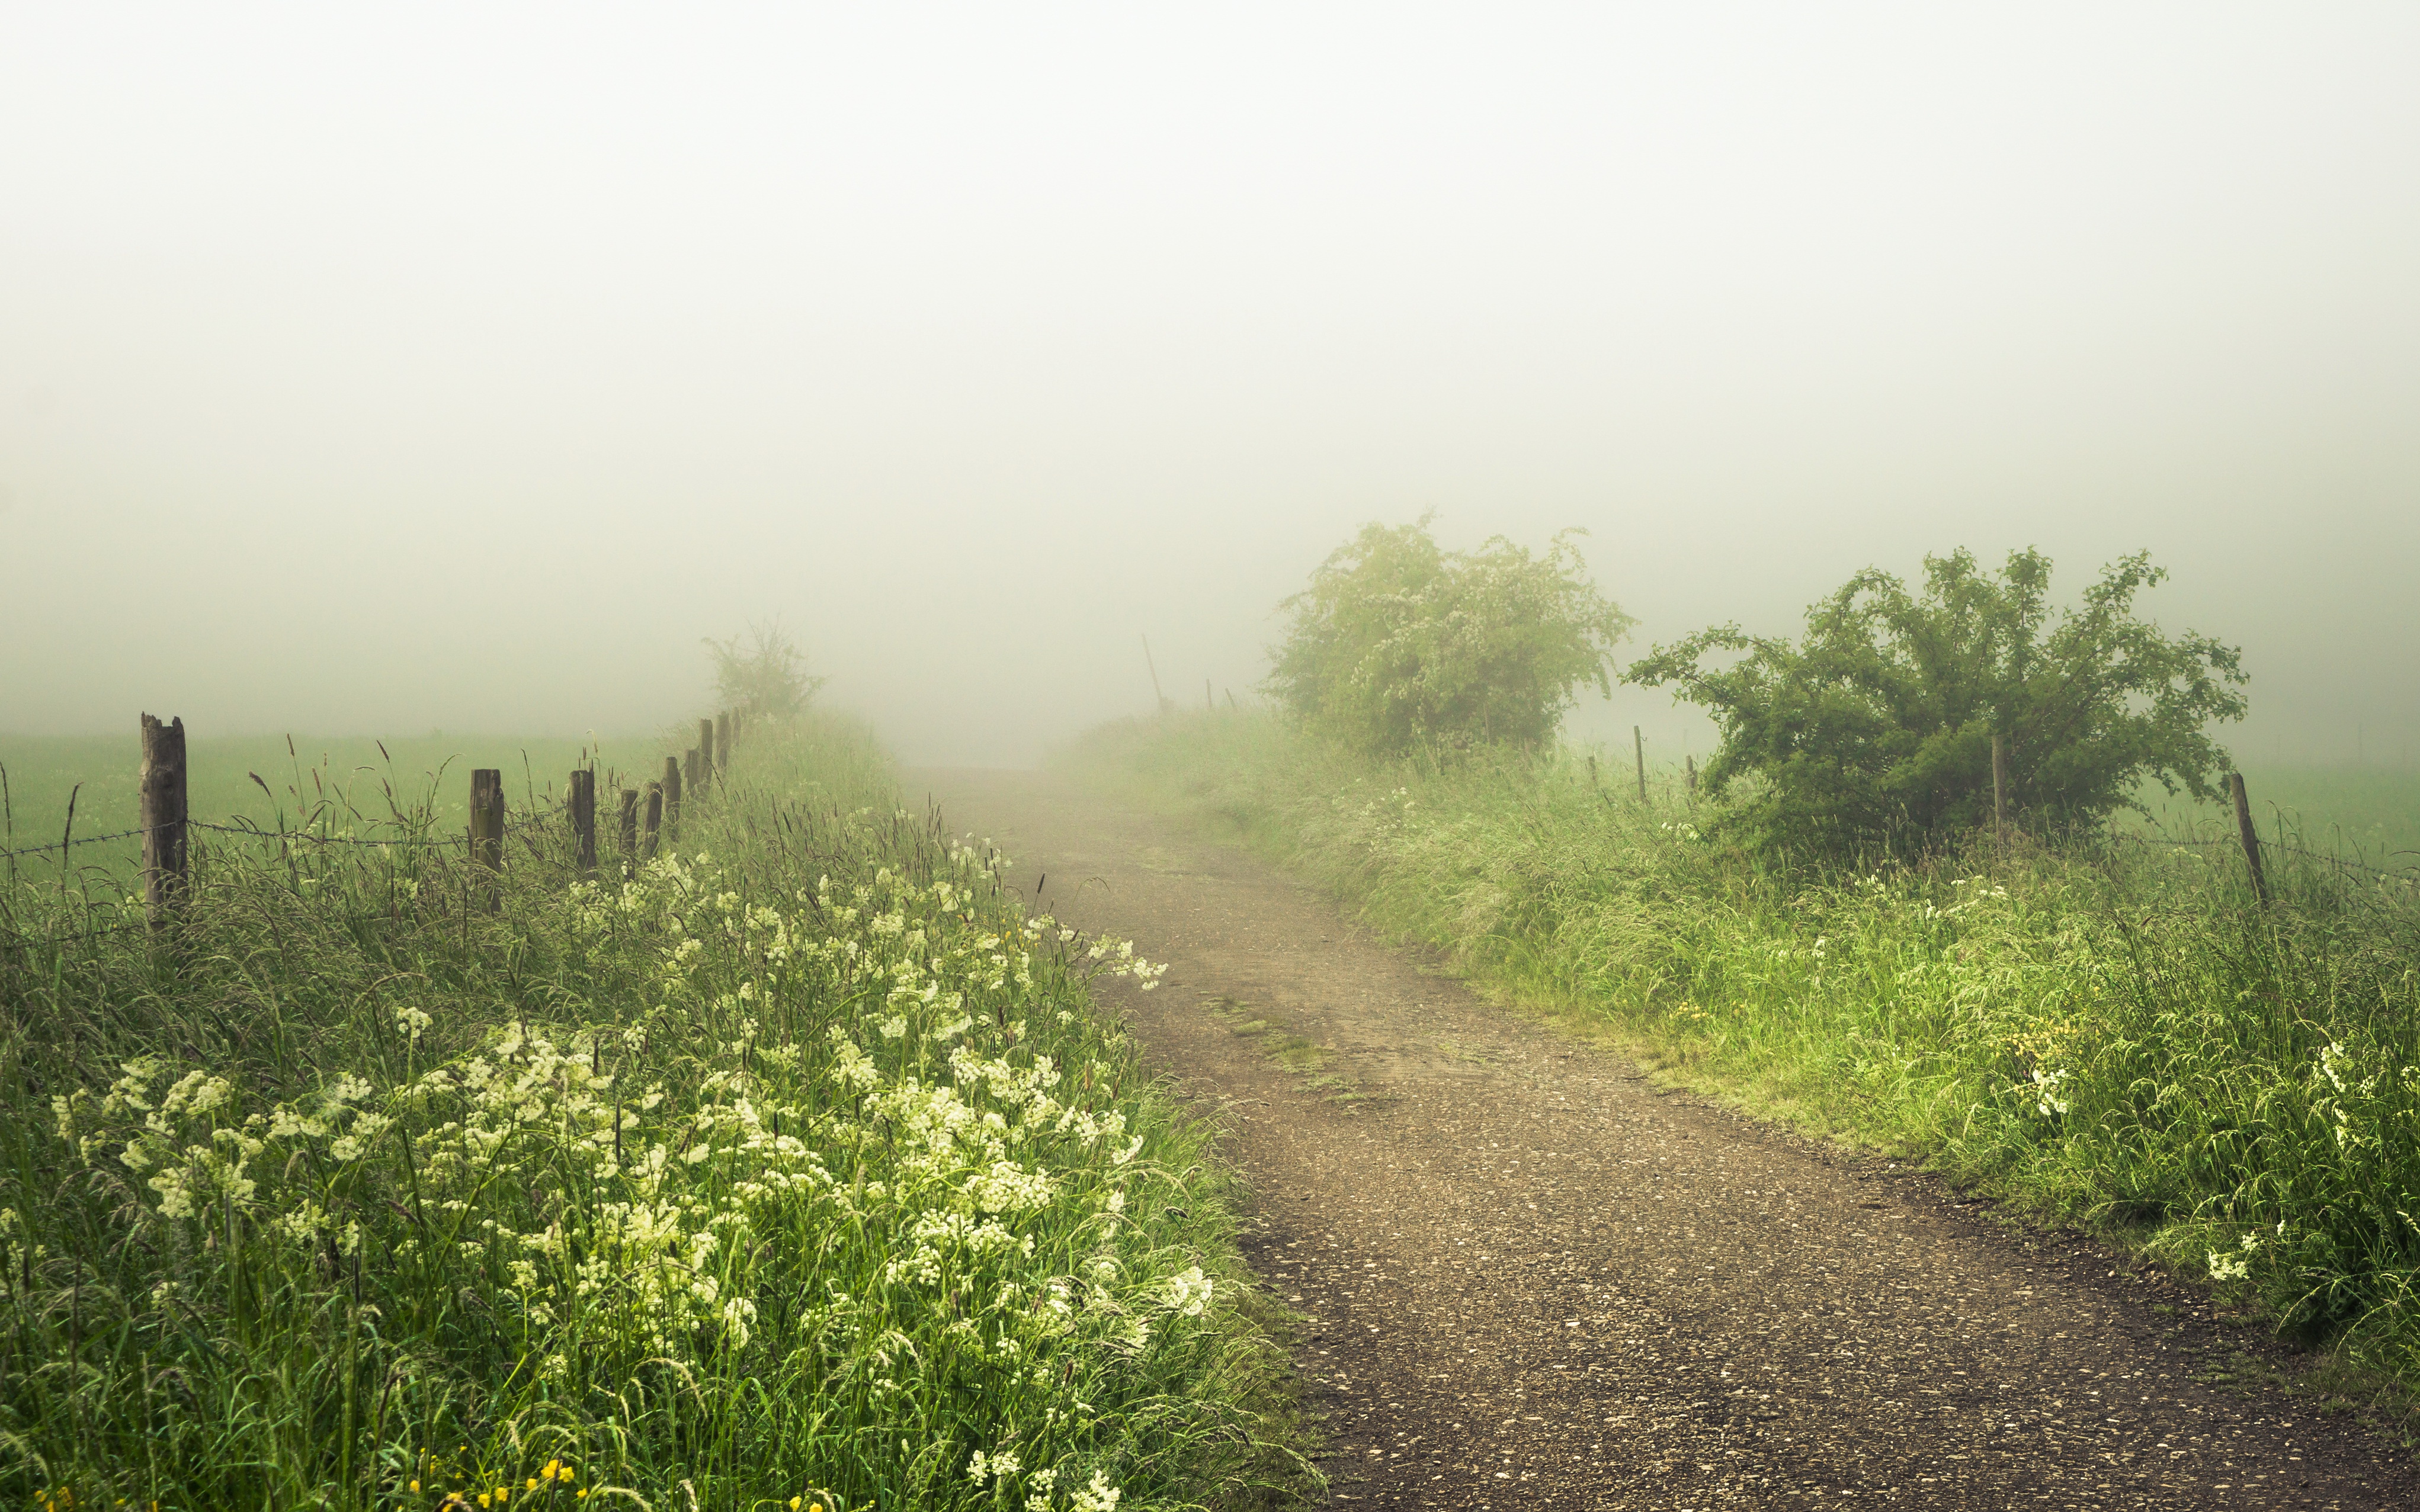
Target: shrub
767, 677
1878, 726
1397, 645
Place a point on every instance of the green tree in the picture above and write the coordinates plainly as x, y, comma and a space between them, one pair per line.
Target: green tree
1398, 644
765, 675
1878, 726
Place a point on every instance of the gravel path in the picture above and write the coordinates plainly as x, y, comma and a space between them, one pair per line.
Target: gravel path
1530, 1280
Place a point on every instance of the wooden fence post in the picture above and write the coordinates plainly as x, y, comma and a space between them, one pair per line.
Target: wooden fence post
164, 813
1999, 789
1639, 743
1690, 772
722, 733
487, 830
704, 755
630, 828
2251, 836
1159, 697
672, 796
582, 801
655, 814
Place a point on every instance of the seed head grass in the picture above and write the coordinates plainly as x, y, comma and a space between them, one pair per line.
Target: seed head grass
794, 1167
2100, 1029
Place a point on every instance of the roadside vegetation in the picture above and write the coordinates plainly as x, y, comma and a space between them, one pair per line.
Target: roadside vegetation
794, 1167
2100, 1029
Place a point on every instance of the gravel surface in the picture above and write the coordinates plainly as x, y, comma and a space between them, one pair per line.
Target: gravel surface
1528, 1278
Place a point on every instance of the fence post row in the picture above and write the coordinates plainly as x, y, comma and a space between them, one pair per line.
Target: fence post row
487, 830
164, 814
2251, 836
582, 800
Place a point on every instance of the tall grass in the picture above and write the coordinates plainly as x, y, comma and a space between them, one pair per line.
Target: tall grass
263, 780
796, 1165
2103, 1029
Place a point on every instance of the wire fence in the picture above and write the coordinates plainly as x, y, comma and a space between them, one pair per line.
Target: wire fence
164, 892
2410, 872
80, 840
250, 831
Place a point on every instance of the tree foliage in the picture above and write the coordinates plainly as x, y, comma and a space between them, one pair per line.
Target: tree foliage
1398, 644
764, 674
1878, 726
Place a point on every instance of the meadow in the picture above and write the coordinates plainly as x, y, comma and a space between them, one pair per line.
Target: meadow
2369, 814
349, 782
2101, 1029
790, 1167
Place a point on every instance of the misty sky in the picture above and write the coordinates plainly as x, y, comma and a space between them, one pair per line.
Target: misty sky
370, 372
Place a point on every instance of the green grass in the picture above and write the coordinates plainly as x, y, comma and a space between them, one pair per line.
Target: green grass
797, 1164
262, 779
2106, 1032
2366, 813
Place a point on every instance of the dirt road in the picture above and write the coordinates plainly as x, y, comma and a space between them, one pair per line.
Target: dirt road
1531, 1281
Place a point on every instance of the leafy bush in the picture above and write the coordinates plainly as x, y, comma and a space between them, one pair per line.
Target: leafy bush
1398, 644
766, 677
1877, 728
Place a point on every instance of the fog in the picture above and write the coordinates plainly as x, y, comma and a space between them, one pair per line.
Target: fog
461, 368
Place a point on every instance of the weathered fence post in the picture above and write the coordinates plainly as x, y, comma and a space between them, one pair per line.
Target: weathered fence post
1638, 742
630, 828
672, 796
1689, 770
582, 801
1159, 698
1999, 789
722, 734
2251, 836
487, 830
163, 784
655, 814
704, 755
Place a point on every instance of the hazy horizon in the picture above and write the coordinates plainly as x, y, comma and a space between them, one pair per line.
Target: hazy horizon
460, 368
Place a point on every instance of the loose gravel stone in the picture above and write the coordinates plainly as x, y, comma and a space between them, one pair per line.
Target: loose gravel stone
1528, 1278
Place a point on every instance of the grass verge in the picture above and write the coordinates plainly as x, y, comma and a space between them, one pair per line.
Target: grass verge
795, 1167
2108, 1032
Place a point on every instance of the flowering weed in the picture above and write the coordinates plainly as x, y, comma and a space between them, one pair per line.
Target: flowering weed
794, 1163
2100, 1031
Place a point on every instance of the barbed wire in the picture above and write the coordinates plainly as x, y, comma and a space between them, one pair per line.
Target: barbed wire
10, 936
256, 832
2410, 873
79, 840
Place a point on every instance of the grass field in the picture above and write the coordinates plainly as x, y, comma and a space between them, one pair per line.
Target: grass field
2104, 1031
2369, 813
792, 1167
261, 779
